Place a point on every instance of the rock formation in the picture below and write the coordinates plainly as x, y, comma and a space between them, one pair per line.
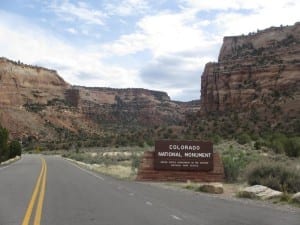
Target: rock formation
36, 103
257, 73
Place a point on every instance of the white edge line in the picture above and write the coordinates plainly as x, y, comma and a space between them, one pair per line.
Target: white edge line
149, 203
176, 217
11, 164
89, 172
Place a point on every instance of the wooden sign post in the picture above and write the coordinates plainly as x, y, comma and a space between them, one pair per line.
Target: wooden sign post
181, 161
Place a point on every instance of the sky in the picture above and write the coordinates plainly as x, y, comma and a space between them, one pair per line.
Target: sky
154, 44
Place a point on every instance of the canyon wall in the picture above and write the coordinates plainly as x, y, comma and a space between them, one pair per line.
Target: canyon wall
257, 73
37, 103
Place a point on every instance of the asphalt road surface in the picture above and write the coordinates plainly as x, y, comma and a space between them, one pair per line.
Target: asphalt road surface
49, 190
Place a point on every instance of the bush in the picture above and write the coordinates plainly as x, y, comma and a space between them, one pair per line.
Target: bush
258, 144
278, 142
282, 144
292, 147
215, 138
233, 161
15, 149
243, 138
275, 176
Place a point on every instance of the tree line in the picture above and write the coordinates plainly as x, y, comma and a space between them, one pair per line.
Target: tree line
8, 149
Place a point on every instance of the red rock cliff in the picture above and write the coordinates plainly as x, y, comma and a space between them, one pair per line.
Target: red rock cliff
260, 71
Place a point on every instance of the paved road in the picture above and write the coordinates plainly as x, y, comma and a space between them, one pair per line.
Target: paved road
74, 196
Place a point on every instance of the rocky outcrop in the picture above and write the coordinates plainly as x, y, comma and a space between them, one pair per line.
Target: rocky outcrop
259, 72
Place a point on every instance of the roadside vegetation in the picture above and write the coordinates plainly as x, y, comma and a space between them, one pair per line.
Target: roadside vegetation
121, 162
8, 149
245, 163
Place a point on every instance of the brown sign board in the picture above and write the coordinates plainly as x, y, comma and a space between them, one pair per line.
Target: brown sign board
183, 155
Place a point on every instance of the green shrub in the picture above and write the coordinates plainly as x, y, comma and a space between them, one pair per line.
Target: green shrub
292, 147
258, 144
243, 138
216, 139
233, 161
278, 146
15, 149
275, 176
278, 142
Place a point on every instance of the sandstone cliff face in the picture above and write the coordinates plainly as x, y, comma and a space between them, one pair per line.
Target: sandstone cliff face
36, 103
22, 84
259, 72
129, 107
26, 90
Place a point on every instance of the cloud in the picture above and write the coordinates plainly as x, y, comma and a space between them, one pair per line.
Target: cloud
179, 48
72, 30
159, 48
126, 7
165, 33
234, 17
33, 45
179, 74
226, 5
127, 44
275, 14
81, 11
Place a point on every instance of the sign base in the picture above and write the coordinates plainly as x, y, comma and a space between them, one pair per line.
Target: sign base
147, 172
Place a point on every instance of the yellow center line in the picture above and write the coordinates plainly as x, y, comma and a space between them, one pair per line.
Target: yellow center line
39, 208
39, 190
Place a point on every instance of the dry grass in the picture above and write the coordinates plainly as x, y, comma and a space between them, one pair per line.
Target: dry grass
118, 171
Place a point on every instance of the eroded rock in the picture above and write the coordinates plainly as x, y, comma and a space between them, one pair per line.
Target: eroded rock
214, 188
260, 192
296, 197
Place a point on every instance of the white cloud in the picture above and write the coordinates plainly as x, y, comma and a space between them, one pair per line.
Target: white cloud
228, 4
72, 30
126, 7
180, 48
81, 66
165, 33
235, 23
234, 17
127, 44
170, 33
81, 11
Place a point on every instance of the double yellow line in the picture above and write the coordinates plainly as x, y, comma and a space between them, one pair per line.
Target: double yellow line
39, 191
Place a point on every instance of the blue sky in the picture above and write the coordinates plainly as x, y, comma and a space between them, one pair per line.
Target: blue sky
160, 45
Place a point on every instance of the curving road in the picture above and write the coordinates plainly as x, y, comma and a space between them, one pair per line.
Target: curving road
68, 195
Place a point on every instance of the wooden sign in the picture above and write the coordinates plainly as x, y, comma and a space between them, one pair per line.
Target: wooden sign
183, 155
